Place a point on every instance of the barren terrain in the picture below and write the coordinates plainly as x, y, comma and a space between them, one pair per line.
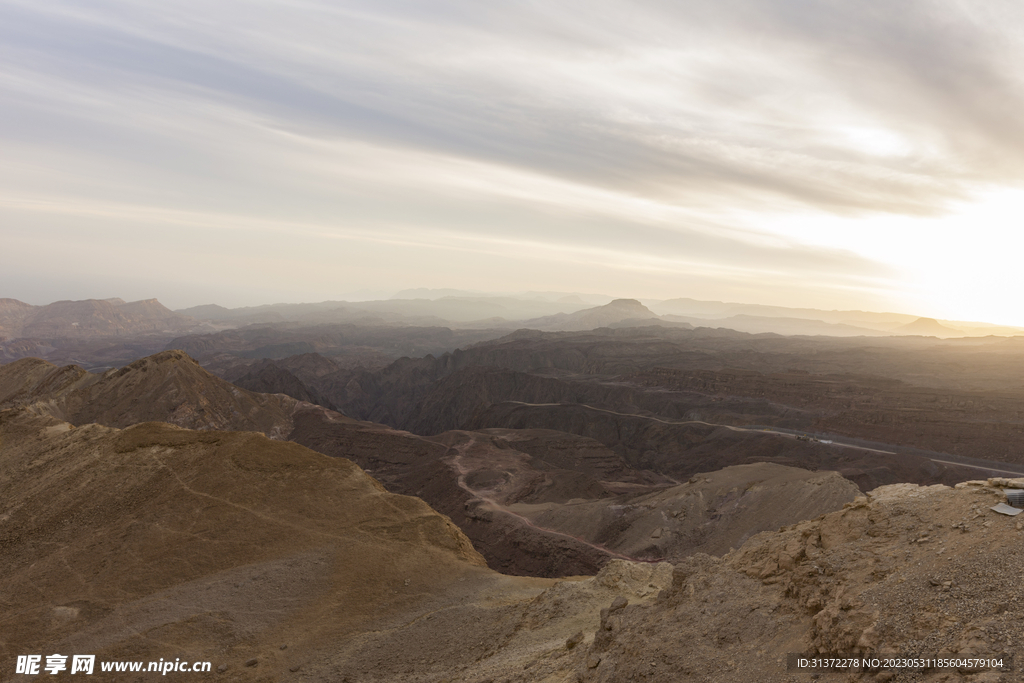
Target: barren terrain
534, 502
276, 563
609, 453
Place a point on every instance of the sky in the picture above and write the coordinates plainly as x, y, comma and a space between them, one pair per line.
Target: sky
819, 153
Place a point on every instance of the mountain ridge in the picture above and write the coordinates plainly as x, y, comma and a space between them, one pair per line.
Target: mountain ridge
166, 387
89, 318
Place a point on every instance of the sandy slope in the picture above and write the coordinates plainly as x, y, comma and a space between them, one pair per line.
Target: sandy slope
160, 542
156, 540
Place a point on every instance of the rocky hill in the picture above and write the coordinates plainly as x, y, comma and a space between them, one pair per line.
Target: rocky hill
211, 546
168, 387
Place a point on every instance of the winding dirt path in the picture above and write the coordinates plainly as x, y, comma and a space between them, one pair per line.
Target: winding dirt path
492, 504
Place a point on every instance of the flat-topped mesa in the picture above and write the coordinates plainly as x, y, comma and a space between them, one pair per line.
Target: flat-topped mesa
622, 303
927, 327
611, 313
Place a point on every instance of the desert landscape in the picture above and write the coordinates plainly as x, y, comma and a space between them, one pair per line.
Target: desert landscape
637, 501
376, 341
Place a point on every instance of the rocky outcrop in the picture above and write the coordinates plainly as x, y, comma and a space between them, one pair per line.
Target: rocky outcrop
925, 571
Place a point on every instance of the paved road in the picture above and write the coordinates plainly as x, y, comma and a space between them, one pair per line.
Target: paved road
793, 434
756, 430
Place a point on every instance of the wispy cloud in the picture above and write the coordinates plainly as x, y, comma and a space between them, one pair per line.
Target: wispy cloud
630, 133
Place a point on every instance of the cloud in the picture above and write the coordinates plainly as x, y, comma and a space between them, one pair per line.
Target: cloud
742, 98
633, 130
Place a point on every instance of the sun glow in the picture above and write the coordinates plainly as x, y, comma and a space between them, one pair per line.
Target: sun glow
963, 265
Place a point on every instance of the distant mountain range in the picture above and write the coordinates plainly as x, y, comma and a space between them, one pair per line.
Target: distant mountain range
89, 318
758, 318
556, 311
102, 333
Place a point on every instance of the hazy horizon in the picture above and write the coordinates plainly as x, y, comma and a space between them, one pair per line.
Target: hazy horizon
823, 155
587, 300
